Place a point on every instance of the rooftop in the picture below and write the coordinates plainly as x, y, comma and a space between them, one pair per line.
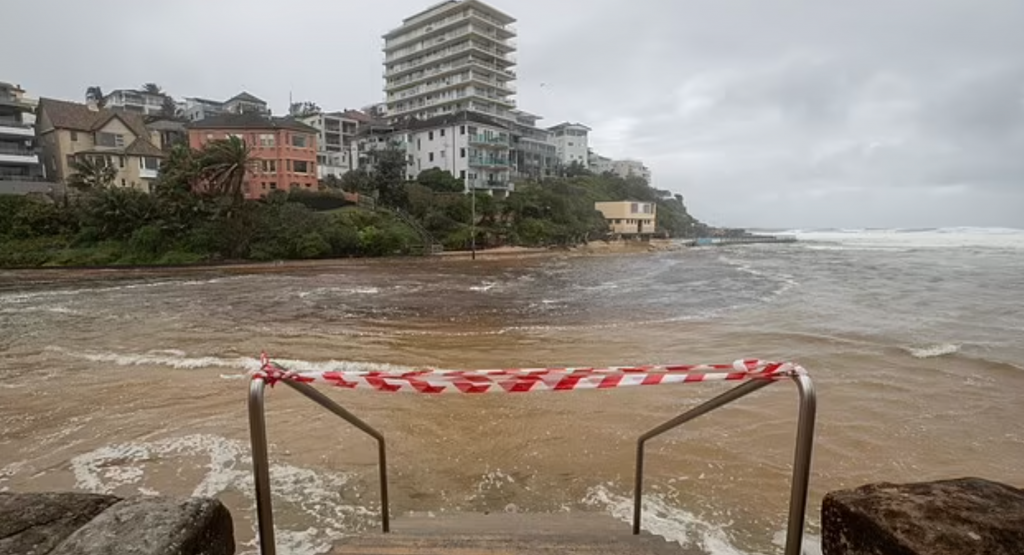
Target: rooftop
250, 121
438, 10
566, 125
79, 117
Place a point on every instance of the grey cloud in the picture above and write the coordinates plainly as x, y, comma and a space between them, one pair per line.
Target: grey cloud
781, 113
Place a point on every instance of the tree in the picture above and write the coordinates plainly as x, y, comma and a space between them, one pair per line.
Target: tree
576, 169
389, 177
180, 172
303, 109
92, 173
358, 181
152, 88
95, 94
440, 180
169, 109
224, 166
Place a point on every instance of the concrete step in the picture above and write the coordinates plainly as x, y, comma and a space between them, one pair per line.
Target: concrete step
509, 534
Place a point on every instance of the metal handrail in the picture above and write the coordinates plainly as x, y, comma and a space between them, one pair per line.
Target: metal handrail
261, 464
798, 491
801, 461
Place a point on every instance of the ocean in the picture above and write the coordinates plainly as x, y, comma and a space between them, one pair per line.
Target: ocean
133, 382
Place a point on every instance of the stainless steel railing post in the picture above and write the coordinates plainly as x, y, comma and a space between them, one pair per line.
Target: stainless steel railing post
702, 409
261, 467
326, 402
801, 464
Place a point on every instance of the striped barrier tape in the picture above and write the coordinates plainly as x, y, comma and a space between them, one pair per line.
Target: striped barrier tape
522, 380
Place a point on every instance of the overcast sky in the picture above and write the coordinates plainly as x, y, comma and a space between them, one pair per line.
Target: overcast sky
772, 113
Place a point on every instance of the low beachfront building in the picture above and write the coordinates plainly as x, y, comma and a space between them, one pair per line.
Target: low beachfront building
284, 149
629, 217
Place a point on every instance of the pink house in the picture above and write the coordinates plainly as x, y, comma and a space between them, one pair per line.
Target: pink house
284, 149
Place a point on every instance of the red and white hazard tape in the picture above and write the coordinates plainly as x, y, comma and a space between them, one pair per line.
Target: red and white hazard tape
522, 380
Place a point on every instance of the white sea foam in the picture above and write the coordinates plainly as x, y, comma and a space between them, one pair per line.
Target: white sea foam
173, 358
22, 297
484, 287
318, 496
894, 239
671, 523
934, 351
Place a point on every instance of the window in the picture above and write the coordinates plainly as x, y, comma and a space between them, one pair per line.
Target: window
123, 182
309, 186
74, 136
462, 153
300, 166
634, 208
110, 139
264, 185
268, 166
71, 159
410, 159
237, 136
288, 165
273, 186
572, 143
442, 132
462, 174
267, 140
444, 154
209, 136
431, 157
299, 141
462, 130
148, 163
120, 161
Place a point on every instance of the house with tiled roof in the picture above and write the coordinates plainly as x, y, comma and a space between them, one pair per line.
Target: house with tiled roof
284, 150
69, 131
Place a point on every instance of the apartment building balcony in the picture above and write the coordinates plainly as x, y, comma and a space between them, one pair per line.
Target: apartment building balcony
492, 58
18, 155
10, 127
489, 184
490, 162
432, 30
493, 141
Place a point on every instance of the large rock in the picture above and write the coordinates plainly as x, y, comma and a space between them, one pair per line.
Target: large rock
155, 526
34, 523
969, 516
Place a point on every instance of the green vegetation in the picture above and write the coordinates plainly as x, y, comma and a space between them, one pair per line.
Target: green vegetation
197, 213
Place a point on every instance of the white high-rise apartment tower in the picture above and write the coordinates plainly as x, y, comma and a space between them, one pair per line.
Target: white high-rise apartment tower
450, 58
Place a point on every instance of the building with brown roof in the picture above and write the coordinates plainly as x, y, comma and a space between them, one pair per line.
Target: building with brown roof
69, 131
284, 149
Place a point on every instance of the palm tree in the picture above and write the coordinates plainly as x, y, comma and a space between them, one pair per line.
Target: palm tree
224, 166
95, 94
91, 174
152, 88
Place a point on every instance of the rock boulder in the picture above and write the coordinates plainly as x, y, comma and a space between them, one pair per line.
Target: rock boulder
155, 526
34, 523
968, 516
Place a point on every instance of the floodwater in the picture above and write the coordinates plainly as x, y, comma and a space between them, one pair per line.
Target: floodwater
133, 382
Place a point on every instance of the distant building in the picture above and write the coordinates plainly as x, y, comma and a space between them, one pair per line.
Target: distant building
20, 171
68, 132
534, 152
629, 217
336, 147
131, 100
198, 109
453, 57
472, 147
572, 143
599, 164
285, 149
631, 168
